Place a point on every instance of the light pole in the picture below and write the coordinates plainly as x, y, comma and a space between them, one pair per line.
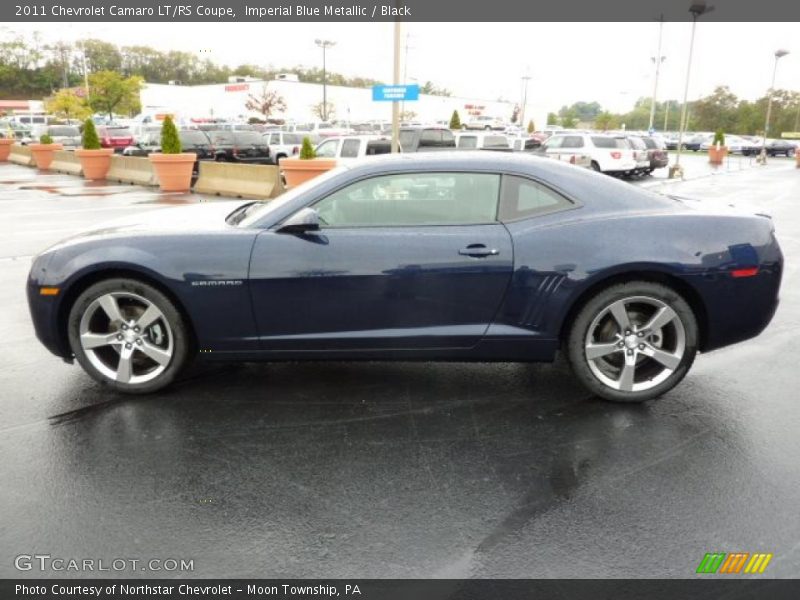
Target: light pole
657, 59
697, 8
324, 44
525, 79
763, 156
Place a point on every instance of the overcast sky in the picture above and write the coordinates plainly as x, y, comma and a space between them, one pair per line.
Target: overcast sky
567, 62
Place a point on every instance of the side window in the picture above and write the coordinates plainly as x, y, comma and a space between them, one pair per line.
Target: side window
572, 141
275, 138
468, 141
554, 142
521, 198
413, 199
328, 149
350, 148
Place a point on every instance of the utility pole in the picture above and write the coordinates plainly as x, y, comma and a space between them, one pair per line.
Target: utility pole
697, 8
324, 44
396, 81
525, 79
666, 115
763, 156
405, 72
657, 59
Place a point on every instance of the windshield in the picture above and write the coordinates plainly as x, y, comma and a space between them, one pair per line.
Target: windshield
256, 212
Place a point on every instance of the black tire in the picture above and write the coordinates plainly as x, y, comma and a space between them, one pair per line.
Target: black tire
595, 166
172, 328
666, 378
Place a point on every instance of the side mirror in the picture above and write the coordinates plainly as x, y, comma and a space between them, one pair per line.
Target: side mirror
303, 221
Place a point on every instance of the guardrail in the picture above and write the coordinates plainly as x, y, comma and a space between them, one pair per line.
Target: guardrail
65, 161
131, 169
21, 155
258, 182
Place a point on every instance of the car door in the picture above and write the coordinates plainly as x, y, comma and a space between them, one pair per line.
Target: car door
401, 262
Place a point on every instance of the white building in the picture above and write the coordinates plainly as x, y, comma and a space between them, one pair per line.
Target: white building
350, 104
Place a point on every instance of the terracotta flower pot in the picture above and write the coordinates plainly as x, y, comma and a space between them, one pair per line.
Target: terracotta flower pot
717, 154
298, 170
95, 163
5, 148
796, 158
43, 154
174, 171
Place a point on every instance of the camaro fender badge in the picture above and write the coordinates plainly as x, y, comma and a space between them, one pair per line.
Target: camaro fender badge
216, 282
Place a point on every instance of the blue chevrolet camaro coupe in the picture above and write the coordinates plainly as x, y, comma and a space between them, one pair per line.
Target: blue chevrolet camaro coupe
455, 257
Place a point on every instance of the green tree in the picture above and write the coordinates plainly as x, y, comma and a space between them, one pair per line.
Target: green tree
170, 142
66, 103
100, 55
531, 126
89, 140
455, 121
605, 121
307, 150
110, 92
552, 118
429, 88
569, 119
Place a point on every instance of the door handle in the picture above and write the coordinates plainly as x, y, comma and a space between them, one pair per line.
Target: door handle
478, 251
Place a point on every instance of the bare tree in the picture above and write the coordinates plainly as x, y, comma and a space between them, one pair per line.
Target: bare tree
266, 102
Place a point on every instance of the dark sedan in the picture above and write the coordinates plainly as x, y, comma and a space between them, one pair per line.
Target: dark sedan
656, 152
192, 140
240, 146
465, 256
780, 148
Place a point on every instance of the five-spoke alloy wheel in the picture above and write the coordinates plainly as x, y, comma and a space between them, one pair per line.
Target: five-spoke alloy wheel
128, 335
633, 341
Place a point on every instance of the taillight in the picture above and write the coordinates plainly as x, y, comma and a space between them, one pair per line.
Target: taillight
616, 155
294, 150
748, 272
107, 141
572, 159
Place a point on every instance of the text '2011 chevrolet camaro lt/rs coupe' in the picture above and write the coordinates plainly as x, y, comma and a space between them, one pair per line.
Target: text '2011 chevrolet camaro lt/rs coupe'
453, 257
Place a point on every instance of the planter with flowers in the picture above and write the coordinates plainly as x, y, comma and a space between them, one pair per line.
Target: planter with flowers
717, 151
43, 151
173, 168
308, 166
95, 160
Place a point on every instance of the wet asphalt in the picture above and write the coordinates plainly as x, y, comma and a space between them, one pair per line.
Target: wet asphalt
399, 469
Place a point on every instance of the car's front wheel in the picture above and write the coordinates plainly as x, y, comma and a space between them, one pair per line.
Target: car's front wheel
128, 335
633, 341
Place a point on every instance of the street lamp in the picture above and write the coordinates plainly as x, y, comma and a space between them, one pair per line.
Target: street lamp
697, 8
525, 79
763, 156
657, 59
324, 44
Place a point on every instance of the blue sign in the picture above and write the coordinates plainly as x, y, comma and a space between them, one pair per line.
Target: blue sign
395, 93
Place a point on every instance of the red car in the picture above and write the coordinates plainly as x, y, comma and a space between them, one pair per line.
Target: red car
117, 138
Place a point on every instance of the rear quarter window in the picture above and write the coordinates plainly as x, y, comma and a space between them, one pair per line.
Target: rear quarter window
521, 198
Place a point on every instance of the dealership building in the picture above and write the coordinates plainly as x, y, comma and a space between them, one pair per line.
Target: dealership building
348, 104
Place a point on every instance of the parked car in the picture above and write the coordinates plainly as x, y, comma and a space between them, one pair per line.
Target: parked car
319, 129
780, 148
349, 148
656, 152
240, 146
283, 144
479, 141
734, 144
469, 256
192, 140
484, 122
695, 141
68, 136
640, 154
426, 139
117, 138
610, 154
525, 143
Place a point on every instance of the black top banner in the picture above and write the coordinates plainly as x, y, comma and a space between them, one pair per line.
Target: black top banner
389, 10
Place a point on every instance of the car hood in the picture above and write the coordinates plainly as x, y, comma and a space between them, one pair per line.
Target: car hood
203, 217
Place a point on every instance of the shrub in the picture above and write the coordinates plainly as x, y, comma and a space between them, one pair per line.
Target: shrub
531, 127
45, 139
455, 121
719, 138
307, 151
90, 140
170, 142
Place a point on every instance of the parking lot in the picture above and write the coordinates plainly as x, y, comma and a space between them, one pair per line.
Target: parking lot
399, 469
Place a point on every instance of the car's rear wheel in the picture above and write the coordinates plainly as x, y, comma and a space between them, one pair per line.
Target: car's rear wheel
633, 341
128, 335
595, 166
